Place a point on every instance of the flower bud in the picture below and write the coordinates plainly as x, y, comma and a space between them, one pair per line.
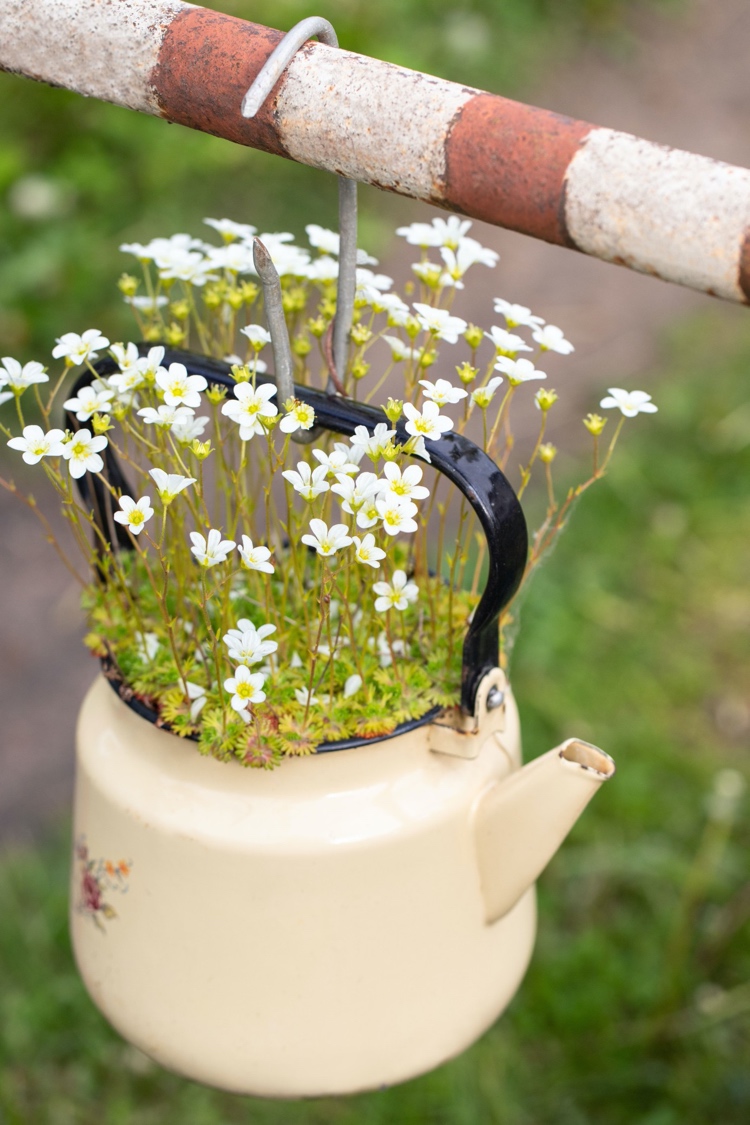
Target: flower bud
100, 423
180, 310
327, 308
394, 408
473, 336
360, 334
249, 291
216, 393
360, 369
234, 298
545, 399
212, 297
317, 326
427, 359
301, 345
174, 335
467, 373
241, 373
390, 451
128, 285
153, 333
547, 453
201, 449
119, 410
413, 327
594, 423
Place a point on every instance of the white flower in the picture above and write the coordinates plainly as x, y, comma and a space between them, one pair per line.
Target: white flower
125, 355
432, 275
134, 515
77, 349
305, 697
518, 370
147, 645
325, 269
440, 232
35, 444
249, 407
468, 253
483, 396
245, 688
629, 402
18, 378
300, 416
166, 415
96, 399
384, 649
372, 443
375, 280
337, 461
255, 558
189, 429
396, 514
391, 303
161, 248
404, 485
169, 485
149, 365
417, 448
308, 482
442, 392
179, 388
257, 335
507, 342
176, 264
82, 453
197, 694
395, 595
228, 229
440, 323
516, 315
247, 644
327, 541
550, 339
237, 257
356, 493
352, 685
147, 304
366, 552
212, 550
322, 239
400, 350
429, 422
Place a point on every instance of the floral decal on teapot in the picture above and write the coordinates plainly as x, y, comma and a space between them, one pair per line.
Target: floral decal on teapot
99, 878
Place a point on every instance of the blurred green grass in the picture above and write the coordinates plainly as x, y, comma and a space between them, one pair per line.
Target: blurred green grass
636, 1008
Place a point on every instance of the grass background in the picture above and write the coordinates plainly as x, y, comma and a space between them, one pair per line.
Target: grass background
637, 1006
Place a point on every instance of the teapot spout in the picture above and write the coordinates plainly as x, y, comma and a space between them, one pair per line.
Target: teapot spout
521, 821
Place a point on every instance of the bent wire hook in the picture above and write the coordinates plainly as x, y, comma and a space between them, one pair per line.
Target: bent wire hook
264, 83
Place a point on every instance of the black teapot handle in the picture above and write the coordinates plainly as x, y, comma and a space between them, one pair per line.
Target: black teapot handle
472, 471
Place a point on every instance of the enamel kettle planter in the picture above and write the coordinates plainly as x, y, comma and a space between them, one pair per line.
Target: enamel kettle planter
349, 920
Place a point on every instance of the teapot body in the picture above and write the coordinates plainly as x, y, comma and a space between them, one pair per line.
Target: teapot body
316, 929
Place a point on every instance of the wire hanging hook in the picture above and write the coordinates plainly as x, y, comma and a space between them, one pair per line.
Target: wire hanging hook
264, 83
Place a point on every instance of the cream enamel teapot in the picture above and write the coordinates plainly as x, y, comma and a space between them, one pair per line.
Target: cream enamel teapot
351, 919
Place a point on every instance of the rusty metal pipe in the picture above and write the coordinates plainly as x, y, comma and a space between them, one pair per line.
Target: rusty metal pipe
662, 211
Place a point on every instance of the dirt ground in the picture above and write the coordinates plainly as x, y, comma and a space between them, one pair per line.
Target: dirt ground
681, 78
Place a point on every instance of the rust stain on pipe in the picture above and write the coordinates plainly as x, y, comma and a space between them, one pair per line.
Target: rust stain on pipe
206, 63
745, 267
506, 164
